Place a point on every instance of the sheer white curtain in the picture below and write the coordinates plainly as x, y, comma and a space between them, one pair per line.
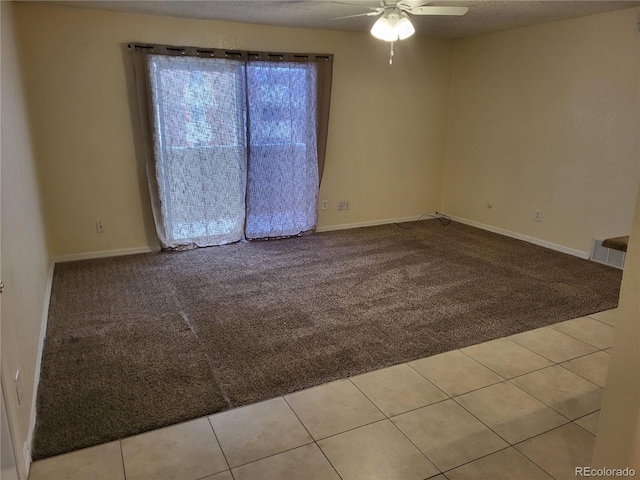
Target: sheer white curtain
231, 146
198, 111
282, 189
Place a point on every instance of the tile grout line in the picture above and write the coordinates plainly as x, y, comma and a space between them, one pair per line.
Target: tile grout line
441, 390
412, 410
531, 459
551, 359
558, 364
583, 341
124, 471
419, 408
312, 438
366, 396
539, 354
463, 393
479, 458
480, 420
389, 417
508, 445
584, 378
505, 380
528, 394
550, 430
350, 430
215, 435
578, 425
502, 376
268, 456
549, 406
601, 321
368, 424
542, 401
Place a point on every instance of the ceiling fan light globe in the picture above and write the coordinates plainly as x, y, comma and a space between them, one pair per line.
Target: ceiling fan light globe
405, 28
384, 30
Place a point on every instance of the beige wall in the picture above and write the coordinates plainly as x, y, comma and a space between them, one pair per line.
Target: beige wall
540, 118
25, 260
546, 118
387, 128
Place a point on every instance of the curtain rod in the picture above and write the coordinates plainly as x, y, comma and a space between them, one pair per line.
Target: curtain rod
222, 53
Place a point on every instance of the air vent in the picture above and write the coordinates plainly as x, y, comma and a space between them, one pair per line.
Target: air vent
607, 256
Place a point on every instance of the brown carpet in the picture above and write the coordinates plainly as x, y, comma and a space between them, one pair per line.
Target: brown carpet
143, 341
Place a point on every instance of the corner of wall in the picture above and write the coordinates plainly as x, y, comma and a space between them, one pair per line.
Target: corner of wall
43, 333
27, 264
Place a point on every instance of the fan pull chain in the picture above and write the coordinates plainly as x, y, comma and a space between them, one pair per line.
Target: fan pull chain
391, 54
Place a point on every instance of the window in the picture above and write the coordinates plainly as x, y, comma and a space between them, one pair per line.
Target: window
231, 142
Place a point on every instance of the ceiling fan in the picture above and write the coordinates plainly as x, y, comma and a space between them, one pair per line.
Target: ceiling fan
394, 21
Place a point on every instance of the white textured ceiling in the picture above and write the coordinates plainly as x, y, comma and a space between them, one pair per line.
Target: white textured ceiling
484, 15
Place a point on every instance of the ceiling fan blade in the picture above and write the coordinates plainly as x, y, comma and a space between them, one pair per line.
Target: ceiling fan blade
433, 10
409, 4
370, 14
367, 7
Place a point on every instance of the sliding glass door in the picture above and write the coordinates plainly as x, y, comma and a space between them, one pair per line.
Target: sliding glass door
234, 147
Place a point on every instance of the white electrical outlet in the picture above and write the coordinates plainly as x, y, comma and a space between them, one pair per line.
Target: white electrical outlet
324, 205
99, 226
538, 216
343, 205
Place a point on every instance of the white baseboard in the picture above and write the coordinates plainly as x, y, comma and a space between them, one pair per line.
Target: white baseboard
103, 254
471, 223
526, 238
346, 226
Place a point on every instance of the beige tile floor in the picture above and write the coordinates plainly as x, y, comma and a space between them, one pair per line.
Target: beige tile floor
524, 407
